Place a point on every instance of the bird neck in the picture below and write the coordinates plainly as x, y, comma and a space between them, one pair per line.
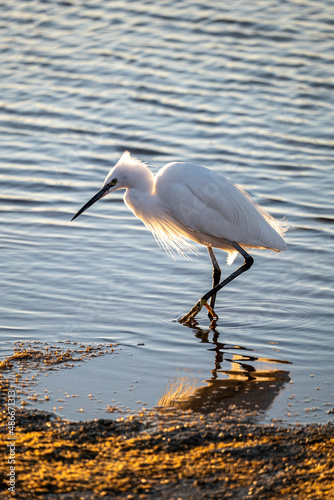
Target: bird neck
141, 179
139, 194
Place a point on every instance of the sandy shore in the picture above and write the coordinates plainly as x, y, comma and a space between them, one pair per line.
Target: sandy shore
167, 456
155, 454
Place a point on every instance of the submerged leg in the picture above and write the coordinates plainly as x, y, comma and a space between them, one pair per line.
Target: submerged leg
216, 274
203, 301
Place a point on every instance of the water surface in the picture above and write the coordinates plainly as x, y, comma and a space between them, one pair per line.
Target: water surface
244, 89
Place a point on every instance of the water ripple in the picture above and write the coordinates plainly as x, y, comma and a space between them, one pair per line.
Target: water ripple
243, 88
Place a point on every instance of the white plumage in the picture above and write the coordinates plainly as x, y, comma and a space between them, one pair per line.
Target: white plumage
186, 202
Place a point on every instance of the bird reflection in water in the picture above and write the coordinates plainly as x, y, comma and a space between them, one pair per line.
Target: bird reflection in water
249, 386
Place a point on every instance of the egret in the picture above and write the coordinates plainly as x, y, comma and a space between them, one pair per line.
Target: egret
185, 203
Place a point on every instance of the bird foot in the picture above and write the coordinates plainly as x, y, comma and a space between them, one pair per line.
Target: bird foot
196, 309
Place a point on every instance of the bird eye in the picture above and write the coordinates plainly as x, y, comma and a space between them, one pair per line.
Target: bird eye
113, 182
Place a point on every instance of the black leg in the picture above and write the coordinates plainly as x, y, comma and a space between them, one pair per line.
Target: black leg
203, 301
246, 265
216, 274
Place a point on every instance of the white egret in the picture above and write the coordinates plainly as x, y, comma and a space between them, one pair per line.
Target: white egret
184, 203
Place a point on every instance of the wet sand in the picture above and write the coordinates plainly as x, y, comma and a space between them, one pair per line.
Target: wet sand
178, 455
165, 454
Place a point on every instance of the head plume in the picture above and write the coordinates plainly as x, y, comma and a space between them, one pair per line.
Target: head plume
130, 161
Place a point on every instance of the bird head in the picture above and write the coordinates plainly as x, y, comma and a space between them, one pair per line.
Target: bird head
119, 177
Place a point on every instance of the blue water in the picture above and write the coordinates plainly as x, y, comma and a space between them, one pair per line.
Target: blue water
244, 89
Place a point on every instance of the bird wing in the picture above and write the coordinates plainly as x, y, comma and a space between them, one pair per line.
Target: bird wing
207, 203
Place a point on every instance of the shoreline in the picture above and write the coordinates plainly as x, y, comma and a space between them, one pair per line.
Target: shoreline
181, 455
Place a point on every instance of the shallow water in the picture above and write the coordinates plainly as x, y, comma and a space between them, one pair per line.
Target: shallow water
244, 89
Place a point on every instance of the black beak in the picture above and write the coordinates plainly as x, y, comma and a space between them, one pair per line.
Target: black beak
89, 203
